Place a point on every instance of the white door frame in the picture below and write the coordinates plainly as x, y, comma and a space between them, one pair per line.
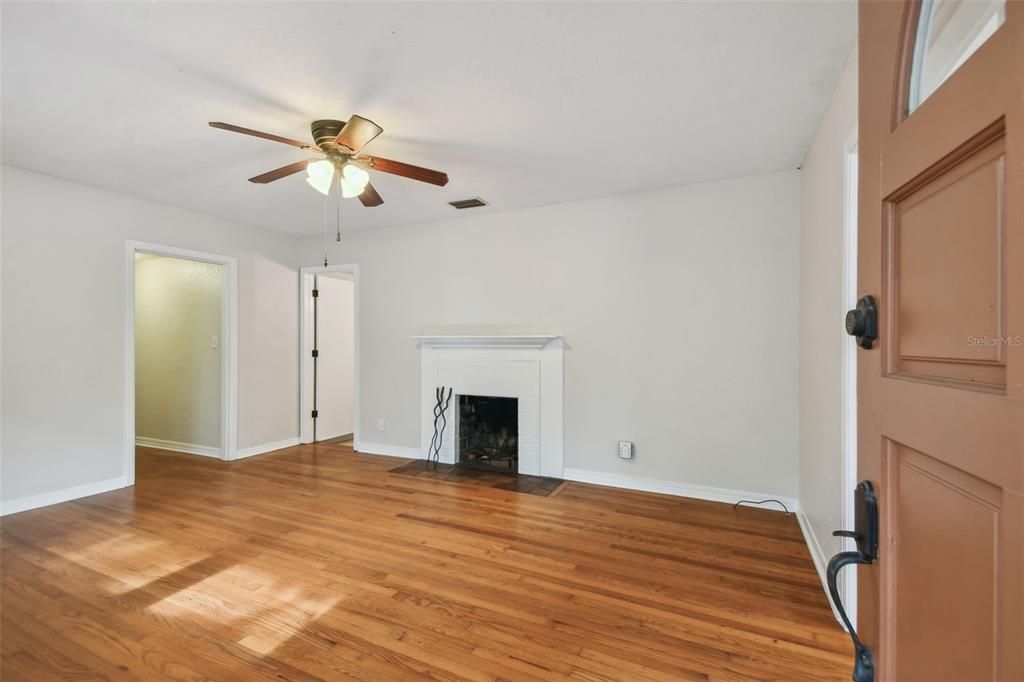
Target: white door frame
306, 275
848, 430
228, 344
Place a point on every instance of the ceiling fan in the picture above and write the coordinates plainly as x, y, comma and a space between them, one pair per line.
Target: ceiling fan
340, 143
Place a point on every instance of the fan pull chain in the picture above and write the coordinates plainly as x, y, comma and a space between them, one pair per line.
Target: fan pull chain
326, 198
337, 237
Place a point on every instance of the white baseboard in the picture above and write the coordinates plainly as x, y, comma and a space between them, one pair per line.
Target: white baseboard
699, 492
58, 496
344, 434
388, 450
175, 446
818, 557
266, 447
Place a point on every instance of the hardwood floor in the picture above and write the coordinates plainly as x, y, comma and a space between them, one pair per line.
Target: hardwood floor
317, 563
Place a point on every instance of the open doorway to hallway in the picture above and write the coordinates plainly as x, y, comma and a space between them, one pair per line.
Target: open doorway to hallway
181, 352
329, 405
178, 319
334, 364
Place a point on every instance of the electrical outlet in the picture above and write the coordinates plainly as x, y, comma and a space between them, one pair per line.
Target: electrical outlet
214, 342
380, 424
625, 449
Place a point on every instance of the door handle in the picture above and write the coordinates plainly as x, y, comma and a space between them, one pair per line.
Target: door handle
866, 536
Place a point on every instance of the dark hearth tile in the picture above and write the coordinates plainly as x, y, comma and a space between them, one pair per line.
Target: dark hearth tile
484, 478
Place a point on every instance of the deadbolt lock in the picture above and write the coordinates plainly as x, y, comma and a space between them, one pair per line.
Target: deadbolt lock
862, 322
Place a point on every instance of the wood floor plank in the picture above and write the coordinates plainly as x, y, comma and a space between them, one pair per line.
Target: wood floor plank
315, 562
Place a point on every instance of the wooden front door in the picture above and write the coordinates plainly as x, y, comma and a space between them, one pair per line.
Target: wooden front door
941, 393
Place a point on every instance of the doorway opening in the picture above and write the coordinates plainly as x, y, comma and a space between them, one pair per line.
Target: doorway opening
328, 401
181, 360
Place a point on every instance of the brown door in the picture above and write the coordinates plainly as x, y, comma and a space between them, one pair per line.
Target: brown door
941, 394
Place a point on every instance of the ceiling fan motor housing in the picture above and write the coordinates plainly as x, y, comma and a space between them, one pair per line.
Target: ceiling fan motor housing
324, 131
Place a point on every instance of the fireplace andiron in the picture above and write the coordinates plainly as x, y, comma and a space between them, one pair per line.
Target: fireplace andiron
440, 410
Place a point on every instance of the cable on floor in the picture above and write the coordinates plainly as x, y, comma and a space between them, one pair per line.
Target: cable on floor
778, 502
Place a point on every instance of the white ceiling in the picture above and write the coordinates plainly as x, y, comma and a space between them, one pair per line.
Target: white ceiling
523, 104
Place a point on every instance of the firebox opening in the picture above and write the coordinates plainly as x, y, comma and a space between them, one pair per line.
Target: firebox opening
489, 432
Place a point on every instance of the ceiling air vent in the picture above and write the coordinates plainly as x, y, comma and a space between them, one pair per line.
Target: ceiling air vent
468, 203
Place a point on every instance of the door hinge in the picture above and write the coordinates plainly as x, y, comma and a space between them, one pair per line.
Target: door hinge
316, 353
316, 292
316, 413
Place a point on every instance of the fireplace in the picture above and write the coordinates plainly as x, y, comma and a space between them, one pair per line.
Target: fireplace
525, 371
487, 432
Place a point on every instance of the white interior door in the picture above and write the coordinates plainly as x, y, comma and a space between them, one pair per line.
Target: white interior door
335, 355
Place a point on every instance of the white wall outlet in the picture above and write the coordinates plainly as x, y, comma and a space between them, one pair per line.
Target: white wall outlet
380, 424
214, 342
625, 449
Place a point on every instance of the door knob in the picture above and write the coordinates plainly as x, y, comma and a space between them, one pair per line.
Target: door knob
862, 322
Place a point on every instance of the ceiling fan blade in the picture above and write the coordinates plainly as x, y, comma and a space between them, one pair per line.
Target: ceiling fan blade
357, 133
406, 170
282, 172
265, 136
370, 197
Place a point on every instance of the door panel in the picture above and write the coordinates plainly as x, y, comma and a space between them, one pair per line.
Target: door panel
945, 281
941, 397
932, 505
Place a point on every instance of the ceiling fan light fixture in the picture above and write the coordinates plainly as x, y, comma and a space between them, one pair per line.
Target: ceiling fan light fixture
353, 180
320, 174
348, 190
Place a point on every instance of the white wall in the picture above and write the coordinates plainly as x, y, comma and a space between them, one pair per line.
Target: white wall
335, 369
822, 336
64, 309
177, 364
679, 308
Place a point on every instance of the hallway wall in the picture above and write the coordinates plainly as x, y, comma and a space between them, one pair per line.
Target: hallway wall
177, 371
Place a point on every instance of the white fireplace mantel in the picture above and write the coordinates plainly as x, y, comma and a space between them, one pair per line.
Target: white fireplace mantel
528, 341
528, 367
